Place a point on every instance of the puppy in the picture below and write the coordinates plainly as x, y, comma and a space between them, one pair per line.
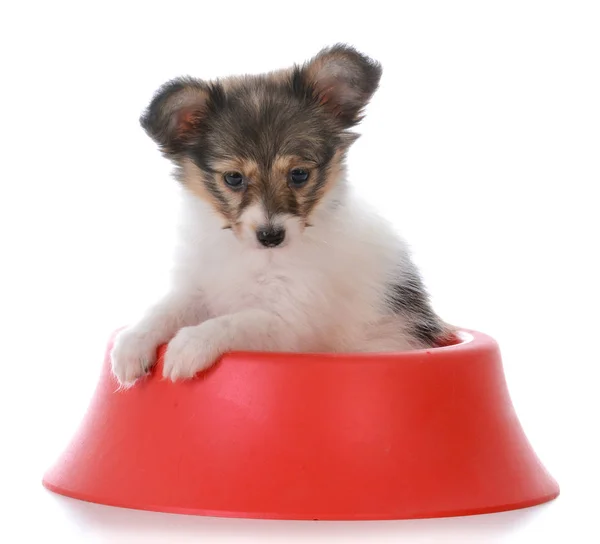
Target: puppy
276, 253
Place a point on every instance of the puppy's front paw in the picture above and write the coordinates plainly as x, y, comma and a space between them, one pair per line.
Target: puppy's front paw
133, 355
193, 349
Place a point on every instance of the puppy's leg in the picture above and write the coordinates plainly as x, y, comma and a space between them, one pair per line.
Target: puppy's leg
134, 350
196, 348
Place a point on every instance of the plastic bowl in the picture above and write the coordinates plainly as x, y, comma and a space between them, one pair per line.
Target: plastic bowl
426, 433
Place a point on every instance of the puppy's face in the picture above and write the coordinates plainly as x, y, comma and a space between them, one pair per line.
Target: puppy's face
265, 150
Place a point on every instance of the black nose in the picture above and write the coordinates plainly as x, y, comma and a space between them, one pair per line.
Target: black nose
270, 236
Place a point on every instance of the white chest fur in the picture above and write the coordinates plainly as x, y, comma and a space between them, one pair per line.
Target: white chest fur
330, 280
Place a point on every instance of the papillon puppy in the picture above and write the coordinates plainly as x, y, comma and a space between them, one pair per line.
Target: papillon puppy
276, 252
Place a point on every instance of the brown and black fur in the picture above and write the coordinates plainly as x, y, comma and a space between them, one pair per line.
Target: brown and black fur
262, 126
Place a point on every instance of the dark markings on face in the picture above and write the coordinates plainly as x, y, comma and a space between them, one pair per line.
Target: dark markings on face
212, 186
263, 126
246, 200
317, 189
292, 203
264, 131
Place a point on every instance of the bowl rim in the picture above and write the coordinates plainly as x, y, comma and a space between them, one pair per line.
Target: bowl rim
469, 341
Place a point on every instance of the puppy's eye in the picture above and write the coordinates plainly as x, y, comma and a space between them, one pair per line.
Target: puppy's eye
235, 180
298, 177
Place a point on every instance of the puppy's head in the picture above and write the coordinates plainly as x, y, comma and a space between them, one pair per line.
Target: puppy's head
264, 150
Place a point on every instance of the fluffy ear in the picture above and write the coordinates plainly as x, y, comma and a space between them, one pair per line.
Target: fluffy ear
343, 80
174, 117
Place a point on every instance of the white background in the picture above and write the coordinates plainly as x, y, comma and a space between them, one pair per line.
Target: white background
482, 145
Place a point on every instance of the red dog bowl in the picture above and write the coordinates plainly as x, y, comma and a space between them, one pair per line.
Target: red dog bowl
426, 433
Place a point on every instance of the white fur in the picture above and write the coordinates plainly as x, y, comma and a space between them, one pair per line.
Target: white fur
323, 290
